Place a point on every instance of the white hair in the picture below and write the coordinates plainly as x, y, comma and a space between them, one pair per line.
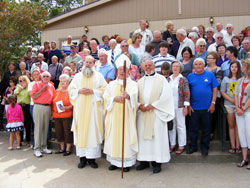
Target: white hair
209, 29
219, 24
69, 36
200, 41
64, 76
22, 63
112, 40
195, 29
230, 25
193, 35
54, 56
219, 34
156, 32
102, 51
46, 72
199, 59
182, 32
41, 55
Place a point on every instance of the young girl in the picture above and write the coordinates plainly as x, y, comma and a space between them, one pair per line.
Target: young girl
15, 121
228, 86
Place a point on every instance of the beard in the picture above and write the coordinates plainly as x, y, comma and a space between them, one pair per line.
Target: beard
87, 71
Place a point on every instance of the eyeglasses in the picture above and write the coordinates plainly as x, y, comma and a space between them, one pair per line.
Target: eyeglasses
210, 58
37, 64
202, 45
20, 80
219, 37
124, 45
45, 76
229, 27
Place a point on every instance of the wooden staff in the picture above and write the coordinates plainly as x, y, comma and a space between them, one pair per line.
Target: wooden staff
123, 117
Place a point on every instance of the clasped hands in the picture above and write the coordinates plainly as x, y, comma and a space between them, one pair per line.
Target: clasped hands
86, 91
146, 108
121, 99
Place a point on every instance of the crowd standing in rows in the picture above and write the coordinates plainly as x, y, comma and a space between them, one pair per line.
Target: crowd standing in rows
174, 83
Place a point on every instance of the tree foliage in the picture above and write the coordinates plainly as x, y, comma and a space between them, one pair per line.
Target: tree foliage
20, 25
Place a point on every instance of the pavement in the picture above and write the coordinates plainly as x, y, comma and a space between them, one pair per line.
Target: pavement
20, 169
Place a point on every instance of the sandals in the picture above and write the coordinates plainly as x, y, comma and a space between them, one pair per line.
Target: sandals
238, 150
171, 149
232, 150
243, 163
66, 153
18, 148
179, 151
248, 167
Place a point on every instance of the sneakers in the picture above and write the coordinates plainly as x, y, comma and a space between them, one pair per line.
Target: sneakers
46, 151
37, 153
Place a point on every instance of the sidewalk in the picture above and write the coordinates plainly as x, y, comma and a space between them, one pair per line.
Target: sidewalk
22, 170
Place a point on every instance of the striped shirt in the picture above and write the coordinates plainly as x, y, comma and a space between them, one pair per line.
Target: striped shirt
159, 60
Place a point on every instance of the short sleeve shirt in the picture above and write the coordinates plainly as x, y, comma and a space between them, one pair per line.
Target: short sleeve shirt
201, 89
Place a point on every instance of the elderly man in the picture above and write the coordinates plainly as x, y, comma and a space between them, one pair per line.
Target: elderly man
105, 68
228, 35
124, 49
218, 40
114, 99
55, 69
93, 49
55, 52
203, 92
155, 110
113, 52
181, 36
86, 90
209, 36
147, 36
162, 57
73, 57
42, 93
66, 45
219, 28
44, 66
157, 40
245, 50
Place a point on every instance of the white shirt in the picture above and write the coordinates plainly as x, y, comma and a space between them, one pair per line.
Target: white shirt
227, 39
147, 36
43, 67
137, 51
117, 51
212, 48
186, 42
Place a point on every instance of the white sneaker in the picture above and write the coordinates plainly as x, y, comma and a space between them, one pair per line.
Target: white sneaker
46, 151
37, 153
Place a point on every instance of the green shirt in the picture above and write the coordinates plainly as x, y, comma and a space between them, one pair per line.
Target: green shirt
23, 97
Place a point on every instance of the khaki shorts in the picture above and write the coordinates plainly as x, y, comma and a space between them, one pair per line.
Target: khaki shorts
230, 109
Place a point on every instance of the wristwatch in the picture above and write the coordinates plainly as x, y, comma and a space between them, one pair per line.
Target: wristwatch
213, 102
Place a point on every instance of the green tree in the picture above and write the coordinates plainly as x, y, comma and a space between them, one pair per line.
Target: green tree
20, 25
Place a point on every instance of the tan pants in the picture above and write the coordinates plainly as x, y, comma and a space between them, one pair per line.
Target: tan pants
41, 116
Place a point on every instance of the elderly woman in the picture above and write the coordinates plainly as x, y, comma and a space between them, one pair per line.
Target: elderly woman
242, 105
181, 95
227, 91
23, 99
62, 114
187, 61
22, 70
236, 42
136, 47
202, 53
221, 49
194, 37
168, 34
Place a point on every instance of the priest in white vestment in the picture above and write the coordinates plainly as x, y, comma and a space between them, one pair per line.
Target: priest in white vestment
114, 98
156, 108
86, 95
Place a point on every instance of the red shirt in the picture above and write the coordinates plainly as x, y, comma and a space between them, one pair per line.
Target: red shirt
244, 85
46, 96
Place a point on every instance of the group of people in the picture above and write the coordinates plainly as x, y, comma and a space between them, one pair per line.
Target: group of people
154, 87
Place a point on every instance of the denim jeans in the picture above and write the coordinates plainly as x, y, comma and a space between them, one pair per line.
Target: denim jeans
200, 118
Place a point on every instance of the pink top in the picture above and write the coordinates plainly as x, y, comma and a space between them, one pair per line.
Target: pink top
15, 114
46, 96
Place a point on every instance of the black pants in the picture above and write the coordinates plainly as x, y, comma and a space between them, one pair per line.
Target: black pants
56, 83
27, 122
1, 116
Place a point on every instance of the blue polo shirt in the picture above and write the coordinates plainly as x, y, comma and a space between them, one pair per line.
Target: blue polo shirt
201, 89
108, 71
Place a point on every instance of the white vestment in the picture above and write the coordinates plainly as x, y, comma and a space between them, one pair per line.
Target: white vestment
91, 148
113, 124
157, 148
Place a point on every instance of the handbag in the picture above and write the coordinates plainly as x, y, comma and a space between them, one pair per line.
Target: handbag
170, 125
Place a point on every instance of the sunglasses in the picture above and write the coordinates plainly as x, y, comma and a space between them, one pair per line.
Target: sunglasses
229, 27
124, 45
20, 80
45, 76
202, 45
219, 37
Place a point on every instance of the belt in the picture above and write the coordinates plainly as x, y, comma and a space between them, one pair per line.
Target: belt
23, 105
43, 104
